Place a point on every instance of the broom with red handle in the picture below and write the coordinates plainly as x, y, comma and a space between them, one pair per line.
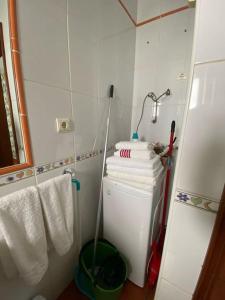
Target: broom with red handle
157, 246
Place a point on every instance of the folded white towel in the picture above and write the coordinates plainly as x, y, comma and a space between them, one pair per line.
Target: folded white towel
142, 186
57, 202
144, 154
22, 225
134, 146
134, 171
137, 154
136, 178
134, 163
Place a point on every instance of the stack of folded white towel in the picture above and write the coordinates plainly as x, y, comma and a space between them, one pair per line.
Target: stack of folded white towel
135, 164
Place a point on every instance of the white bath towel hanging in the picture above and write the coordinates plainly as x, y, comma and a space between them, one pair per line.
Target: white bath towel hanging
58, 209
135, 163
134, 146
22, 226
6, 260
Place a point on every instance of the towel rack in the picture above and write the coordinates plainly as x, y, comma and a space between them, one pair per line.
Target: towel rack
70, 171
75, 181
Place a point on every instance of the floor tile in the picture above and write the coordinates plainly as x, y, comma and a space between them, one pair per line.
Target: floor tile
130, 292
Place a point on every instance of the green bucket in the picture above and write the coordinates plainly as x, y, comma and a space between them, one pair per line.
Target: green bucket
109, 264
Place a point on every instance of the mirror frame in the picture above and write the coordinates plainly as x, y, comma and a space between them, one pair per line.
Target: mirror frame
18, 80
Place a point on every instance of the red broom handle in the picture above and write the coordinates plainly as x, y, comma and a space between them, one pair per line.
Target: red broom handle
168, 173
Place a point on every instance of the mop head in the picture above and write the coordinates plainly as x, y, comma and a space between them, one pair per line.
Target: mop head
111, 273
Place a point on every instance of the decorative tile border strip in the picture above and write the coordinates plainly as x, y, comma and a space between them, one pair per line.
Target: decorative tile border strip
197, 201
37, 170
14, 177
87, 155
54, 165
93, 153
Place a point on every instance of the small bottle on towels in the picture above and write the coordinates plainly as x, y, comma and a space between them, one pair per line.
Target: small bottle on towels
135, 137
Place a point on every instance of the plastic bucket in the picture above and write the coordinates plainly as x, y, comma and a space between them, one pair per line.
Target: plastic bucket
107, 256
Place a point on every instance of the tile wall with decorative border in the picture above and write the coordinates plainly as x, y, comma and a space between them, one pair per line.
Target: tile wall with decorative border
197, 201
37, 170
181, 196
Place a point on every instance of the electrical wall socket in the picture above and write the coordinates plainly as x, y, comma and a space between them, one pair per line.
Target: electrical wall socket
64, 125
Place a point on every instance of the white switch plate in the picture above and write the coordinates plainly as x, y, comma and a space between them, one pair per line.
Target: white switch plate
181, 76
64, 125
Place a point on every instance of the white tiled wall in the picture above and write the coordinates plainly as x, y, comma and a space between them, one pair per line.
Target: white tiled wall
190, 231
112, 18
210, 37
203, 152
43, 44
44, 104
163, 53
71, 52
132, 7
201, 167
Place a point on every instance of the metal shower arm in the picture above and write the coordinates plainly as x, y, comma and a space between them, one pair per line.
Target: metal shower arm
155, 105
155, 99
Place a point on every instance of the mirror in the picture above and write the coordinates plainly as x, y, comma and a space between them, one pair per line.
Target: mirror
15, 151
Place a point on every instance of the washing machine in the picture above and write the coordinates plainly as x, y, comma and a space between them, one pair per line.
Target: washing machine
128, 215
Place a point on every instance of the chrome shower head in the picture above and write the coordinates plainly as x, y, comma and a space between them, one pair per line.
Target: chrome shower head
168, 92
